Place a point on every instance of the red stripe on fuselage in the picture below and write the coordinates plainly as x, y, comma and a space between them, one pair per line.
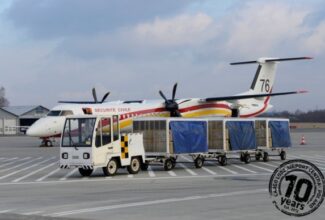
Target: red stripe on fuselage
258, 112
203, 106
183, 110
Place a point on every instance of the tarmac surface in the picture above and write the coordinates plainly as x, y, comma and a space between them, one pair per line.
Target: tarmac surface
33, 187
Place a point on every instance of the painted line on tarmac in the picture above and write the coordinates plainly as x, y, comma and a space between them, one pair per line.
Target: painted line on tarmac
228, 170
32, 213
32, 173
262, 168
157, 202
15, 161
243, 168
49, 174
69, 174
187, 169
151, 173
6, 211
270, 165
104, 179
311, 159
171, 173
10, 159
26, 168
209, 171
19, 165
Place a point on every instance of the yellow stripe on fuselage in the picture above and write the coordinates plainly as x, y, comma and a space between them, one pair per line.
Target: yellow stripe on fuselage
125, 123
207, 112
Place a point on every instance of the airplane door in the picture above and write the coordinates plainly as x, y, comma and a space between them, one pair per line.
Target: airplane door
103, 141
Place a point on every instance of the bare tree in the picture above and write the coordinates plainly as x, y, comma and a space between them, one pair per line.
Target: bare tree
3, 101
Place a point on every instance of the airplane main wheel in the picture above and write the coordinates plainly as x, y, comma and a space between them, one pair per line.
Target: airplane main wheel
85, 172
111, 168
135, 166
47, 143
168, 164
283, 155
198, 162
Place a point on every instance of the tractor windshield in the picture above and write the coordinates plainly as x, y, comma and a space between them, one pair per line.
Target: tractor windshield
78, 132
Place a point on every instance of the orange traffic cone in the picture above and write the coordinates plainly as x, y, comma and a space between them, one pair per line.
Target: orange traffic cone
302, 142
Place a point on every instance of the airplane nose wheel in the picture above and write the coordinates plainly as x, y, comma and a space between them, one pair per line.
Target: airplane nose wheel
47, 143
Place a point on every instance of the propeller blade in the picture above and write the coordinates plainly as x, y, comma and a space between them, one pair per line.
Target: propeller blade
105, 96
163, 96
174, 91
95, 95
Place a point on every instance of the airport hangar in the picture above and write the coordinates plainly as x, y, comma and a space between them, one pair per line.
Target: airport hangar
15, 119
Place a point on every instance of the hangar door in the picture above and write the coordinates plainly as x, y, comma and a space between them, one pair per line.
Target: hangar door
280, 134
9, 126
189, 136
241, 135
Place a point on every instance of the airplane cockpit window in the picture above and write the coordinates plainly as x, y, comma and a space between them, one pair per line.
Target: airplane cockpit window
54, 113
66, 113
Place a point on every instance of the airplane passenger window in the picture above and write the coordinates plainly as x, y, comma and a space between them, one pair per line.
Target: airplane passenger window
66, 113
54, 113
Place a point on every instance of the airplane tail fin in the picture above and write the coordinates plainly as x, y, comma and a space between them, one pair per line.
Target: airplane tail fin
265, 74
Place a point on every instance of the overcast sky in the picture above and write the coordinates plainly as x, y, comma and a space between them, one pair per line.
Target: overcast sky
54, 50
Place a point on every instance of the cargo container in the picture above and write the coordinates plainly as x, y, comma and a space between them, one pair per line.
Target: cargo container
273, 137
229, 137
164, 139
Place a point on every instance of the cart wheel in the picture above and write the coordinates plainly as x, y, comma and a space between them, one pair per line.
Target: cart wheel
135, 166
85, 172
283, 155
168, 164
266, 157
247, 158
222, 160
258, 156
111, 168
199, 162
144, 166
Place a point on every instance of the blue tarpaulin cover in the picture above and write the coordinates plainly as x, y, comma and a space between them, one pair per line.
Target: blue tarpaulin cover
241, 135
189, 136
280, 133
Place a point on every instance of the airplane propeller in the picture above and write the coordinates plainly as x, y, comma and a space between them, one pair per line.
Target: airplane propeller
170, 104
95, 96
89, 102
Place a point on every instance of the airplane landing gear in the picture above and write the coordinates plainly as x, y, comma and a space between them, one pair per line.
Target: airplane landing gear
47, 143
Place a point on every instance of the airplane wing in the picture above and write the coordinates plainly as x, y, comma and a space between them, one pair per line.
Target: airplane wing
79, 102
226, 98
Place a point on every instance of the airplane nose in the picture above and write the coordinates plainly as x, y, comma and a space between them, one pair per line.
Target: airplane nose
32, 132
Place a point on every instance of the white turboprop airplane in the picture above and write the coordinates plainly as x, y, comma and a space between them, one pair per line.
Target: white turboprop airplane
248, 104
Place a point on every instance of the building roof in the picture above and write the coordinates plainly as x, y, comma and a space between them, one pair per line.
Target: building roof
20, 110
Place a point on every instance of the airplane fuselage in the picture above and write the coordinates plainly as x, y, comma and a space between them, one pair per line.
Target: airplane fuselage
51, 125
